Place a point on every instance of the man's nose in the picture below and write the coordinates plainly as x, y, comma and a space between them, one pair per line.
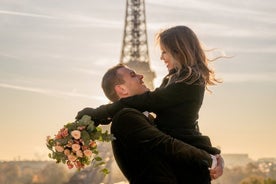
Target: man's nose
140, 76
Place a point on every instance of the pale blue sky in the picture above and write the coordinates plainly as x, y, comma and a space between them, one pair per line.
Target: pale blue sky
54, 53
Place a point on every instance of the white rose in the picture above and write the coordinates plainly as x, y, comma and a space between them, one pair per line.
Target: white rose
76, 134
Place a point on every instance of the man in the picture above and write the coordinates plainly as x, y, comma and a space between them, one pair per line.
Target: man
144, 153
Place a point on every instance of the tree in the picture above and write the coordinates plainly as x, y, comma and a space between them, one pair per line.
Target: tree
10, 173
52, 173
270, 181
253, 180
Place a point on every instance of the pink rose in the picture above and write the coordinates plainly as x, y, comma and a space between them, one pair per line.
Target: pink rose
87, 153
79, 153
69, 165
72, 158
67, 152
76, 134
92, 144
78, 165
64, 132
58, 136
75, 147
59, 148
84, 147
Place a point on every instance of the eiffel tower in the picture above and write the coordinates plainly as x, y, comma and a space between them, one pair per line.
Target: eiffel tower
135, 53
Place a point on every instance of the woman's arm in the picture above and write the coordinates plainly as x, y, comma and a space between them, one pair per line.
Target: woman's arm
163, 98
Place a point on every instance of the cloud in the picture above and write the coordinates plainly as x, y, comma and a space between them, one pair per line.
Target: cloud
79, 20
16, 13
248, 77
88, 21
9, 56
50, 92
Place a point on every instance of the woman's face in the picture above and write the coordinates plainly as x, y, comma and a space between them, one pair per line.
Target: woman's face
167, 57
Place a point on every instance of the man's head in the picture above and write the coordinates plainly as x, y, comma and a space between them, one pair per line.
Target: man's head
120, 82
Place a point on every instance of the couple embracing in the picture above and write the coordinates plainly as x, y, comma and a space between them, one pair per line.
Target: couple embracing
168, 149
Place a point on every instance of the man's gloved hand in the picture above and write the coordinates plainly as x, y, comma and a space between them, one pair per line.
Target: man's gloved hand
86, 111
102, 114
99, 115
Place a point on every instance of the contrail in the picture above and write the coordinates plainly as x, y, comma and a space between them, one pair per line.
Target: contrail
50, 92
25, 14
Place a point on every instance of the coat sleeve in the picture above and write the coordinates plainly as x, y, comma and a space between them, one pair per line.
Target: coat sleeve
160, 98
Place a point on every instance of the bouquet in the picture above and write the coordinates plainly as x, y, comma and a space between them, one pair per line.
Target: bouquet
76, 144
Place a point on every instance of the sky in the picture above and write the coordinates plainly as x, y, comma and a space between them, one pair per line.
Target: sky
54, 53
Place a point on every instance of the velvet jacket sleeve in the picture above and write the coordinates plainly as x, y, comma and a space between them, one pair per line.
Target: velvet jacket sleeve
160, 98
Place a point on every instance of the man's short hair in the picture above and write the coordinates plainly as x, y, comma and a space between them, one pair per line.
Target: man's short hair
110, 79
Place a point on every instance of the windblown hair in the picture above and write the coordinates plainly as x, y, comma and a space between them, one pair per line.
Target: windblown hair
189, 56
110, 79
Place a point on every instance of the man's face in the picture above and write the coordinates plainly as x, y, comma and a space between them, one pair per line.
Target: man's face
133, 85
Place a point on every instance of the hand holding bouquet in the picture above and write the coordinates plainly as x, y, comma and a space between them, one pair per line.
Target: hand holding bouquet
76, 144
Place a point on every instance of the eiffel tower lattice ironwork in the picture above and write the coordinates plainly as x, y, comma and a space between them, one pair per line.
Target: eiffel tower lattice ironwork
135, 53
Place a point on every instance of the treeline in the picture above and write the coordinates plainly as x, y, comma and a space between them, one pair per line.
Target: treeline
48, 172
35, 172
28, 172
252, 173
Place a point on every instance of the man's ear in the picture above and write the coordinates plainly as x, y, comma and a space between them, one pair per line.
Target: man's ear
121, 90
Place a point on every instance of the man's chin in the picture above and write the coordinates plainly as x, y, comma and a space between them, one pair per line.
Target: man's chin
147, 89
144, 91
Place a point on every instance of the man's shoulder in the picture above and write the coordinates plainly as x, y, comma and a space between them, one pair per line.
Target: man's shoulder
125, 117
126, 111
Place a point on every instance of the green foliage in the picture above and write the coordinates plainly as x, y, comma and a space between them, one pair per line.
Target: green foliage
105, 171
269, 181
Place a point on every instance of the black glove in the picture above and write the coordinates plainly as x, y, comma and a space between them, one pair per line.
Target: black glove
86, 111
95, 115
99, 113
102, 113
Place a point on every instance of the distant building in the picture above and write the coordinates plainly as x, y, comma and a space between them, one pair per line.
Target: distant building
234, 160
271, 160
